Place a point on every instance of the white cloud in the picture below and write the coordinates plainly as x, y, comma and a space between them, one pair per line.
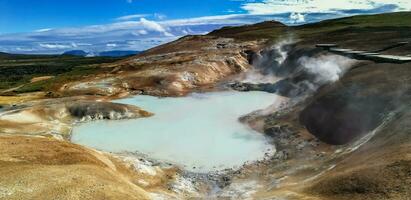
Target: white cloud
154, 26
142, 24
140, 32
23, 49
131, 17
160, 16
318, 6
111, 45
55, 46
297, 18
83, 44
43, 30
151, 25
218, 19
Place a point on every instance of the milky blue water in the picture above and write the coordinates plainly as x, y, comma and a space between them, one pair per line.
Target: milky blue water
200, 132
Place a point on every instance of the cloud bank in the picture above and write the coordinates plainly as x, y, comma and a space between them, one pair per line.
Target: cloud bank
321, 6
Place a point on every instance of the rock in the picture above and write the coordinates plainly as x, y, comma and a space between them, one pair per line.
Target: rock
104, 110
224, 181
281, 155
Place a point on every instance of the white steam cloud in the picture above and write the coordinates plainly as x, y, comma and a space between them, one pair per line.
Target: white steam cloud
283, 52
293, 72
326, 68
255, 75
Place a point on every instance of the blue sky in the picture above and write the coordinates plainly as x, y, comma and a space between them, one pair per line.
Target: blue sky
51, 26
29, 15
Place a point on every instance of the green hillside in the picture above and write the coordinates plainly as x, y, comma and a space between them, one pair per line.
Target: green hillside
17, 70
400, 21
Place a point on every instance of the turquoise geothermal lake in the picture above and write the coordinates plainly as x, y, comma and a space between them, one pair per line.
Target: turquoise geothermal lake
199, 133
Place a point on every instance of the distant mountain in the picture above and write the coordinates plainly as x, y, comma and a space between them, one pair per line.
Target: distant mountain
118, 53
2, 54
76, 53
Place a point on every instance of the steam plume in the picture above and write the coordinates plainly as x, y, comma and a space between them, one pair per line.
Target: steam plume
291, 71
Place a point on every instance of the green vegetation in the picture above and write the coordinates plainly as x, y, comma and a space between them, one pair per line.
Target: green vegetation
361, 23
397, 19
357, 24
16, 71
264, 30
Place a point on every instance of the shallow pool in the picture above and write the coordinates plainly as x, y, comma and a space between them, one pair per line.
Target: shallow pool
200, 132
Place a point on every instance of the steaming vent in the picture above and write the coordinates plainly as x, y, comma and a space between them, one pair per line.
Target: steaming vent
292, 71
